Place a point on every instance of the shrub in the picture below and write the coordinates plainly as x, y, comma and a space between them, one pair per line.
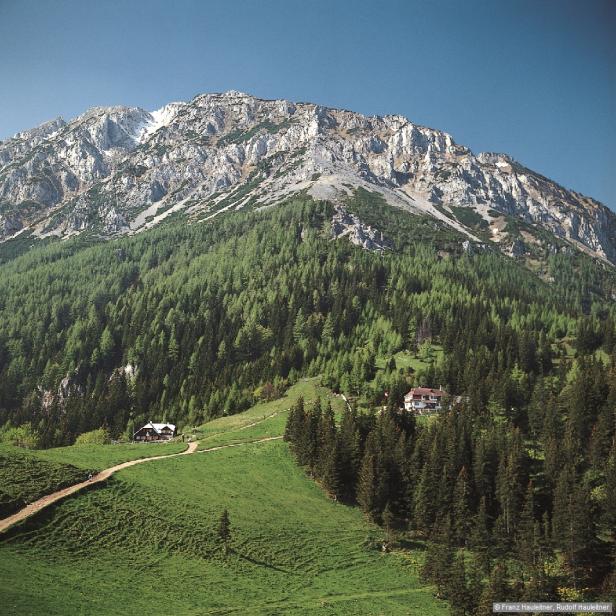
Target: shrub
95, 437
21, 436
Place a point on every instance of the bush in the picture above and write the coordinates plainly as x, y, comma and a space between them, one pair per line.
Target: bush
95, 437
21, 436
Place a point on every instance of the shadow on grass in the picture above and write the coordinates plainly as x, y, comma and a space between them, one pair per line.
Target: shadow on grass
410, 544
259, 563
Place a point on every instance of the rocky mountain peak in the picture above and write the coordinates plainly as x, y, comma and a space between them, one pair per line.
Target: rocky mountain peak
118, 170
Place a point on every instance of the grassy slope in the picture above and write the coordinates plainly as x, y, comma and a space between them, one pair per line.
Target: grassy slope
294, 550
27, 475
271, 416
24, 478
145, 542
95, 457
104, 456
406, 359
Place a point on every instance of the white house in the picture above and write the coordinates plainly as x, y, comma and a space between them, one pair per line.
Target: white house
423, 400
155, 432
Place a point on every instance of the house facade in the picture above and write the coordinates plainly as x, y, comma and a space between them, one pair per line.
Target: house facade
424, 400
155, 432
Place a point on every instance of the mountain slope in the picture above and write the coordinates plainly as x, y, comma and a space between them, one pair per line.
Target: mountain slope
121, 170
189, 321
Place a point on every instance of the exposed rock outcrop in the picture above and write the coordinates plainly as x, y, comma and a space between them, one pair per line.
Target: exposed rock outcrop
346, 224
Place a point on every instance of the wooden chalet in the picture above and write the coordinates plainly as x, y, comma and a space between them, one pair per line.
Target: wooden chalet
155, 432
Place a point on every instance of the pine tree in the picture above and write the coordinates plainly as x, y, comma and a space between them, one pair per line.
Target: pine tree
527, 539
537, 586
573, 525
308, 440
456, 589
437, 566
425, 507
349, 454
367, 495
389, 523
224, 530
497, 589
609, 505
462, 513
295, 421
328, 465
480, 539
510, 476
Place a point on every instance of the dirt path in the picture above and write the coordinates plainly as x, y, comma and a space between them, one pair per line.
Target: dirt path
54, 497
259, 440
244, 427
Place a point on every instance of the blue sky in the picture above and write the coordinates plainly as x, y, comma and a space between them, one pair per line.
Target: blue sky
533, 78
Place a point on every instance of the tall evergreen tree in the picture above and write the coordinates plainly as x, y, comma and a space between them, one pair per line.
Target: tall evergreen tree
224, 530
367, 485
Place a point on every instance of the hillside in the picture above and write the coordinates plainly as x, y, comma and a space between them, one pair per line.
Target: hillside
189, 322
186, 322
293, 550
196, 323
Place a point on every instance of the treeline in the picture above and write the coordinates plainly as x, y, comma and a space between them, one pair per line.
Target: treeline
522, 510
188, 322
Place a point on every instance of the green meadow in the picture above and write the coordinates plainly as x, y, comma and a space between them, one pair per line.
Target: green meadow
96, 457
266, 419
146, 543
104, 456
24, 478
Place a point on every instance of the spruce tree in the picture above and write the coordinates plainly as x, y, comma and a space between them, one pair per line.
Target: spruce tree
527, 538
573, 524
389, 524
367, 495
480, 539
609, 505
328, 466
456, 589
437, 566
462, 513
224, 530
295, 422
496, 589
349, 454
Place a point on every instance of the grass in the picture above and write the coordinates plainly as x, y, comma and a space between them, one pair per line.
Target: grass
269, 417
147, 542
24, 478
103, 456
27, 475
99, 457
406, 359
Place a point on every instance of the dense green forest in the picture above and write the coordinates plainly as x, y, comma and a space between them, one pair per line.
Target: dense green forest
511, 509
188, 322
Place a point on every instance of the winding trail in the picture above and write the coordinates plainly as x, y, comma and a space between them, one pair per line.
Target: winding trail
54, 497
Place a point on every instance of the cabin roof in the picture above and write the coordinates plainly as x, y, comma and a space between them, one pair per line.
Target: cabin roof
157, 427
426, 391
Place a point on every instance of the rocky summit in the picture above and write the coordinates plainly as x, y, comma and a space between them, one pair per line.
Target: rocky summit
121, 170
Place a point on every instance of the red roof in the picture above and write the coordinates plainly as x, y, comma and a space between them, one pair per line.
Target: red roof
426, 391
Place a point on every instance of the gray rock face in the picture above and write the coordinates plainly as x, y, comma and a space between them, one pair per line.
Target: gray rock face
518, 248
345, 224
122, 169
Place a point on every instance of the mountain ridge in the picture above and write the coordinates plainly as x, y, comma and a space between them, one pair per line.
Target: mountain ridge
121, 170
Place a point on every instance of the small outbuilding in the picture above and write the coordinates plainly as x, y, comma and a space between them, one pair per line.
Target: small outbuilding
155, 432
